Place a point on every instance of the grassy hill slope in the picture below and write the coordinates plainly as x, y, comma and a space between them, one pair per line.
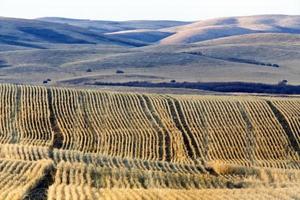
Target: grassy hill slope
224, 27
264, 58
37, 34
267, 54
115, 26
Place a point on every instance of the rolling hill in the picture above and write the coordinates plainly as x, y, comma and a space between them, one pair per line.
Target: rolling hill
38, 34
238, 58
143, 35
142, 31
259, 49
224, 27
115, 26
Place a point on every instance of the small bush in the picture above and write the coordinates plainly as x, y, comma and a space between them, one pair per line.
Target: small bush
173, 81
283, 82
120, 72
45, 82
89, 70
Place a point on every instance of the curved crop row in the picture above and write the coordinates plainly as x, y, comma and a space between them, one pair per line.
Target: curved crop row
8, 112
237, 130
271, 146
33, 117
18, 178
24, 152
115, 125
24, 115
106, 177
72, 192
116, 162
191, 130
218, 128
166, 114
290, 109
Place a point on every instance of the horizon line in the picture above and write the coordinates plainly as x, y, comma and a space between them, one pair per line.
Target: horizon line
92, 19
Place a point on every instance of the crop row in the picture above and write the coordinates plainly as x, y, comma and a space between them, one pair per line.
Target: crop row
106, 177
18, 178
119, 162
190, 130
71, 192
24, 152
24, 115
238, 130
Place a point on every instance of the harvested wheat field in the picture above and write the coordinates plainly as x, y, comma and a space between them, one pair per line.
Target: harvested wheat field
68, 144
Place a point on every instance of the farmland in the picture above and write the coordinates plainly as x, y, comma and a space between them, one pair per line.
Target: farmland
59, 143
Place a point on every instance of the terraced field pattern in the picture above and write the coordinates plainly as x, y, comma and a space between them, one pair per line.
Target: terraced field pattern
69, 144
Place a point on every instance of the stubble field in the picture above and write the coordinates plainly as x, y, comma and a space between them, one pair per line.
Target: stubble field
63, 144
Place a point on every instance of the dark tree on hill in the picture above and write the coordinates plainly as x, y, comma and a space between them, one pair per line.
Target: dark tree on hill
120, 72
283, 82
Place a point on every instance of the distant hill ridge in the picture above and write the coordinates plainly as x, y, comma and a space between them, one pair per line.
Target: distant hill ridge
189, 32
224, 27
232, 49
24, 32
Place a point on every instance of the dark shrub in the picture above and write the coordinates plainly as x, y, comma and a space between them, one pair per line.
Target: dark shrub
283, 82
173, 81
89, 70
119, 72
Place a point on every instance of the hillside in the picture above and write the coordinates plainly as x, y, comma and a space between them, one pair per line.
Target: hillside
142, 35
59, 143
237, 58
224, 27
71, 52
114, 26
142, 32
174, 32
38, 34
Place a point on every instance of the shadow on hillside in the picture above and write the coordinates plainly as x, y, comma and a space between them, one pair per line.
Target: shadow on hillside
242, 87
